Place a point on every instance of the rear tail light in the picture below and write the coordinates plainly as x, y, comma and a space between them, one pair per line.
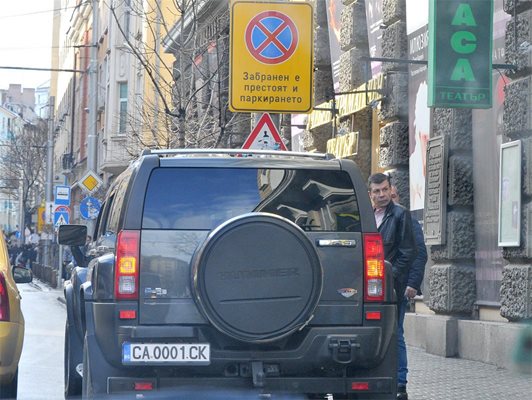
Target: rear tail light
143, 386
127, 314
359, 385
4, 299
127, 265
373, 267
373, 315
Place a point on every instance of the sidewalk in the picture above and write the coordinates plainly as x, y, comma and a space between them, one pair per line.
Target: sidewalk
433, 377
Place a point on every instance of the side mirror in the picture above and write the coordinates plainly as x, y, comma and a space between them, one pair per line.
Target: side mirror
72, 235
22, 275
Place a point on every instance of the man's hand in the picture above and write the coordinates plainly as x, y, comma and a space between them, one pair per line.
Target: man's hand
410, 292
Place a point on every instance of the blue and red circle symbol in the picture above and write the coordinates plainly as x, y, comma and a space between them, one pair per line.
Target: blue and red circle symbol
271, 37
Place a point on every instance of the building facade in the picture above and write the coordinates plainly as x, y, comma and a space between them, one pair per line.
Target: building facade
22, 137
118, 46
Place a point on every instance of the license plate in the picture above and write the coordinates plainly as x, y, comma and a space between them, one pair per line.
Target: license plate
164, 353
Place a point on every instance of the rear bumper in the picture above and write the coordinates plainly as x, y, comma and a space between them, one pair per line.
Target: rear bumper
237, 386
319, 359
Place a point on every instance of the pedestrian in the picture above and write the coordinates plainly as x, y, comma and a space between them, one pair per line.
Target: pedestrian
413, 288
34, 237
23, 257
394, 222
33, 246
67, 259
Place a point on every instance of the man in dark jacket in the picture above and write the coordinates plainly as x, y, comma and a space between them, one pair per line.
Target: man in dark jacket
394, 222
413, 288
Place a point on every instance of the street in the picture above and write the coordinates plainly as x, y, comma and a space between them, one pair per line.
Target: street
431, 377
41, 364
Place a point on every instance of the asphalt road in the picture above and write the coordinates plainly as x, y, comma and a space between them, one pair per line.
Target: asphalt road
41, 364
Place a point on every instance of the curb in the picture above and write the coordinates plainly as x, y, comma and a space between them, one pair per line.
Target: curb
35, 286
36, 283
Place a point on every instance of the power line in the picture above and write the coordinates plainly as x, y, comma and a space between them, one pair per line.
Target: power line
42, 69
40, 12
33, 48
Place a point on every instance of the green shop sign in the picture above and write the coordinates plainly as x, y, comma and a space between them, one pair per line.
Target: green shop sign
460, 43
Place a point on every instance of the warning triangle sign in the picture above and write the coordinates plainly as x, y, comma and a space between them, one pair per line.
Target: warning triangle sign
61, 221
264, 136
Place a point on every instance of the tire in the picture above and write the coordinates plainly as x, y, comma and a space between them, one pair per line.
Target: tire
73, 381
86, 386
9, 390
257, 278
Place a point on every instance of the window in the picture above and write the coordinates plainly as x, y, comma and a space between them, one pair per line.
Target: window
119, 199
122, 92
201, 199
127, 18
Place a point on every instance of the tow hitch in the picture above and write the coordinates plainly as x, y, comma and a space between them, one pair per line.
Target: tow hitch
343, 349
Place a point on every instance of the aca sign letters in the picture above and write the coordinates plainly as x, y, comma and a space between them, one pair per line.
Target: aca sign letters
460, 44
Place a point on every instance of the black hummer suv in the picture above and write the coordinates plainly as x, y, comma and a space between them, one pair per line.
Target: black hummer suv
261, 271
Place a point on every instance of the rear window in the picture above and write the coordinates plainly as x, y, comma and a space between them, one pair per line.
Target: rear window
203, 198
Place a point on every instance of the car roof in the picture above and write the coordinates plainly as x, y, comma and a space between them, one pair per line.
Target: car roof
234, 158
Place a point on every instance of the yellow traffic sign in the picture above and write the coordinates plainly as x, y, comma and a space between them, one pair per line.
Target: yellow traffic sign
271, 57
41, 218
90, 182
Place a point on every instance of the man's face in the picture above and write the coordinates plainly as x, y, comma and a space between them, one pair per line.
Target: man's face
380, 194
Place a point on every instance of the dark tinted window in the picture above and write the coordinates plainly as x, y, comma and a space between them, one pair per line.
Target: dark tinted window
115, 211
201, 198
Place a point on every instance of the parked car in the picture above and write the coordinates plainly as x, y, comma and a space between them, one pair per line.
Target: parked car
11, 322
213, 268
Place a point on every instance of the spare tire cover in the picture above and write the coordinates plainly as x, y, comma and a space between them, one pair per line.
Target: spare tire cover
257, 277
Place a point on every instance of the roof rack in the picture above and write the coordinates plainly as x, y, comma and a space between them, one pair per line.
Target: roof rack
241, 152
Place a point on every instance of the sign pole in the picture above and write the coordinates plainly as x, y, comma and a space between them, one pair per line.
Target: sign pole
49, 175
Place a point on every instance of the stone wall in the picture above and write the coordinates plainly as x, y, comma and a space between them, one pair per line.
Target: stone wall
451, 278
516, 285
394, 151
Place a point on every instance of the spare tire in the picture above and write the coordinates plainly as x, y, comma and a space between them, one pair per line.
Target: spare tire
257, 277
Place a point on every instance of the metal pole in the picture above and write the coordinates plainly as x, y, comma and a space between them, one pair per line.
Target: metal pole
21, 216
49, 174
92, 142
60, 269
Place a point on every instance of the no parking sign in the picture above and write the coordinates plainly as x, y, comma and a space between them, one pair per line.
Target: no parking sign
271, 56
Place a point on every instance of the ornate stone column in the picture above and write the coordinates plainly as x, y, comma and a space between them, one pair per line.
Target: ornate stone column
394, 152
451, 279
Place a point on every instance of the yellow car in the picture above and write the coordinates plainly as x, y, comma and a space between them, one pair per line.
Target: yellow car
11, 322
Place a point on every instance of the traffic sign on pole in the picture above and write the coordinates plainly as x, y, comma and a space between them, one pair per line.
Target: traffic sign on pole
61, 216
90, 182
49, 212
264, 136
62, 195
271, 56
89, 207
